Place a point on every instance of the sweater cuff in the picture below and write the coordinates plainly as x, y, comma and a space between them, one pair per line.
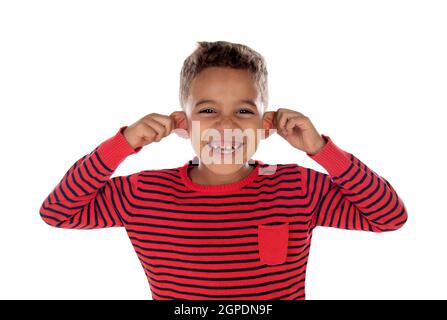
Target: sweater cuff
114, 150
332, 158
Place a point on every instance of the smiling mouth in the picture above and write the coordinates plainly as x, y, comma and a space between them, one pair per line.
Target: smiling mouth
225, 149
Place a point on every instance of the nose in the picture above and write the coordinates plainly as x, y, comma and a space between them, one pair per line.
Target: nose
228, 128
226, 122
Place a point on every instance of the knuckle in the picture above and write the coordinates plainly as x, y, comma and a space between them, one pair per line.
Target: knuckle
140, 126
150, 115
157, 138
151, 134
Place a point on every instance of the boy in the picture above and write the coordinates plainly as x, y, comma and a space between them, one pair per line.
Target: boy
224, 226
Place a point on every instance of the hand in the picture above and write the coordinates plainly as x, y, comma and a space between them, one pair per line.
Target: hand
154, 127
298, 130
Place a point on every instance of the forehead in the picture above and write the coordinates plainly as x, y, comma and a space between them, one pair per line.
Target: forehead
223, 83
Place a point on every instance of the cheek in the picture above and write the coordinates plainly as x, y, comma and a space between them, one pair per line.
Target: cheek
194, 133
197, 131
253, 132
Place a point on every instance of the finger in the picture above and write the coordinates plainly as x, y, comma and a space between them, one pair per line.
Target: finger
157, 127
298, 113
294, 122
166, 121
149, 133
282, 120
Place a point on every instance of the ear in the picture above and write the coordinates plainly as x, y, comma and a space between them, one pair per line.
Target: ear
269, 123
180, 124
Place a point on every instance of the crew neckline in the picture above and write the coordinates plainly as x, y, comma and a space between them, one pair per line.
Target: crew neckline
233, 186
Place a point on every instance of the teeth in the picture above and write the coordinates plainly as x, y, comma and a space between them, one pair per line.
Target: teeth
226, 149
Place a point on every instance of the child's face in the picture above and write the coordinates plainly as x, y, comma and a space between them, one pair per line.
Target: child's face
228, 101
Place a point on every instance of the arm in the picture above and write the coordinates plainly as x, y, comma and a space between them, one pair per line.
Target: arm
87, 197
351, 196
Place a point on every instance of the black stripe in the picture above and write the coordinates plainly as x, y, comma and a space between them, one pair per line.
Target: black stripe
327, 204
258, 276
73, 176
102, 163
230, 296
51, 209
225, 196
85, 181
255, 218
389, 213
206, 237
401, 213
48, 217
217, 204
378, 210
341, 175
92, 177
147, 208
300, 288
166, 186
70, 188
220, 287
109, 205
178, 183
92, 164
128, 223
156, 173
320, 197
272, 185
260, 267
208, 245
118, 196
345, 180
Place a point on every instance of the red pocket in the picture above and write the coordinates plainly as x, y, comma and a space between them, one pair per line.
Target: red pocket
273, 241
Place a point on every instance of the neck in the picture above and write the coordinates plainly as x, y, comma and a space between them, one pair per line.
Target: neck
202, 175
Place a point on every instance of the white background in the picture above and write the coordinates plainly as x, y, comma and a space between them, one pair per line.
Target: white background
370, 74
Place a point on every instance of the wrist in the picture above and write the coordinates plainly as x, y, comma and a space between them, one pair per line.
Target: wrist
320, 145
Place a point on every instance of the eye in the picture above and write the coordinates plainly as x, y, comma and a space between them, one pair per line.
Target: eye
206, 110
245, 111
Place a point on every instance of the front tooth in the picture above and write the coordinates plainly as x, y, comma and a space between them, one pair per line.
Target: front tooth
225, 149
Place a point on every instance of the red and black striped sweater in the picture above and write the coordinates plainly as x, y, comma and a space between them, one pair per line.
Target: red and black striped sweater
245, 240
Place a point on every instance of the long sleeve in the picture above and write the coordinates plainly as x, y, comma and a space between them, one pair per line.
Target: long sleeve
351, 196
87, 197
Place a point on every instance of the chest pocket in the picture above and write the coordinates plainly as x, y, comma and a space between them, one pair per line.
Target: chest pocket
273, 242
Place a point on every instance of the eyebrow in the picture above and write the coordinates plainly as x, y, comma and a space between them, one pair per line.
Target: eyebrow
250, 102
